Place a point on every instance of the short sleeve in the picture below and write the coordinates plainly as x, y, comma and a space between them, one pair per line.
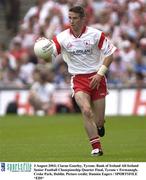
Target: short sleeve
105, 45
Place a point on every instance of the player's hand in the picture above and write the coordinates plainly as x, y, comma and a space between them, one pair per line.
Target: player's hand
40, 38
95, 81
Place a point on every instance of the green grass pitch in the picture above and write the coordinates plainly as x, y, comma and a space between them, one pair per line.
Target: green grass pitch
62, 138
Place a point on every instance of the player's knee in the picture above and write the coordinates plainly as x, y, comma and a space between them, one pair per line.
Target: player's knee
87, 112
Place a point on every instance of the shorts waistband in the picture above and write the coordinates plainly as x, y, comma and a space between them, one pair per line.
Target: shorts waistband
85, 75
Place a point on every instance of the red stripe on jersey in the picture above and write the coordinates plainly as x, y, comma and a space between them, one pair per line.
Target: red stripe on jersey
102, 38
58, 47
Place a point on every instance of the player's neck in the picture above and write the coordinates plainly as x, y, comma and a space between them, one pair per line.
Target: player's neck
77, 32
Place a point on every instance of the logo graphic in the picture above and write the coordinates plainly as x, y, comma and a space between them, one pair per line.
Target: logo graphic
81, 52
2, 167
87, 43
19, 167
69, 45
16, 167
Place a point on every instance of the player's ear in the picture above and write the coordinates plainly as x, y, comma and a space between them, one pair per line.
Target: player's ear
84, 19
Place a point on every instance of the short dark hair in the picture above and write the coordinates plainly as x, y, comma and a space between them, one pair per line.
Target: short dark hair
78, 9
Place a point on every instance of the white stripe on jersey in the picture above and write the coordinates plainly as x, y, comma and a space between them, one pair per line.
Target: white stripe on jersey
85, 54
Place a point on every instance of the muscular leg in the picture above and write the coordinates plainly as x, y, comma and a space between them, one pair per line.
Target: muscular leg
84, 102
99, 112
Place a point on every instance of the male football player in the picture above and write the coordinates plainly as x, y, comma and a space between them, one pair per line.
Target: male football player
88, 54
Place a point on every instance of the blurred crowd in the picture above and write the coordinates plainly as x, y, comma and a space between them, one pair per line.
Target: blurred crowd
11, 11
123, 21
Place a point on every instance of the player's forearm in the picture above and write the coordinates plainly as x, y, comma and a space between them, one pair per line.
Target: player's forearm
108, 60
104, 67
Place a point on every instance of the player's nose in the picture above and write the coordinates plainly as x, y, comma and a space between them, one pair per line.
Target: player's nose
71, 21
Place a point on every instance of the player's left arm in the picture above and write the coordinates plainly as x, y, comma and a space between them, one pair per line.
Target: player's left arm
104, 67
95, 80
107, 49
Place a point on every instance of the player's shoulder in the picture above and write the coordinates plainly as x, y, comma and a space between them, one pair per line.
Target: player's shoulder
63, 34
93, 30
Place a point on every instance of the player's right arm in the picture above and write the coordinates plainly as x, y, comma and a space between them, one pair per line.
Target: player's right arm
57, 46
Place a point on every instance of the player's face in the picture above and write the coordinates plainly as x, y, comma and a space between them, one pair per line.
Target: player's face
75, 20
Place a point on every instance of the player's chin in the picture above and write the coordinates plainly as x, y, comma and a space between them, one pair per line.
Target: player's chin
73, 26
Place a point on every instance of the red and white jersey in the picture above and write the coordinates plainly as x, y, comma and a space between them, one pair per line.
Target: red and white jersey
83, 54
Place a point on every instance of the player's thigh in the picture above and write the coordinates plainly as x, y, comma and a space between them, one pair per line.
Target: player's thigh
83, 100
99, 109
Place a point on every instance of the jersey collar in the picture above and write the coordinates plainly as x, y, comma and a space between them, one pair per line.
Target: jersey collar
83, 30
